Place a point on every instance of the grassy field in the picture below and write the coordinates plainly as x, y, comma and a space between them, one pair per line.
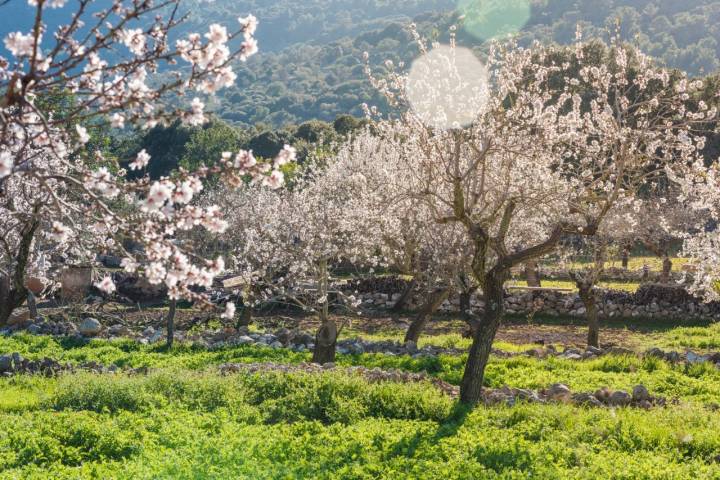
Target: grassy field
184, 420
567, 284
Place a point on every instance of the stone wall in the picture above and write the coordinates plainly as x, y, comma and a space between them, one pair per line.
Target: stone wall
650, 301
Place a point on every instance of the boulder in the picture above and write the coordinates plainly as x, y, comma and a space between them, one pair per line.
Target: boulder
655, 352
603, 394
244, 340
157, 336
586, 399
5, 363
693, 357
640, 394
119, 330
559, 392
411, 346
90, 327
619, 398
34, 329
19, 318
284, 336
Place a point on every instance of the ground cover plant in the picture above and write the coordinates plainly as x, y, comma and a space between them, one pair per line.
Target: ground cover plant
185, 420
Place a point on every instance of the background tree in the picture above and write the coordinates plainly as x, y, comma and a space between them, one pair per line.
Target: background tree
53, 187
540, 161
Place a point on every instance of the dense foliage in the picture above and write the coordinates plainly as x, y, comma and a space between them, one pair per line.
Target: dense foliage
315, 71
185, 421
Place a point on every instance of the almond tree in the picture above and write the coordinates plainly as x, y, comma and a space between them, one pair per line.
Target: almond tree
412, 242
119, 69
285, 242
663, 219
560, 139
574, 251
700, 189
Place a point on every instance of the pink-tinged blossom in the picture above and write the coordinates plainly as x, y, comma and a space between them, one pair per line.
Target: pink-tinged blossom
275, 179
141, 160
229, 312
217, 34
83, 135
160, 192
245, 160
249, 48
106, 285
134, 39
155, 273
249, 25
117, 120
183, 193
129, 265
59, 233
196, 116
6, 163
286, 155
19, 44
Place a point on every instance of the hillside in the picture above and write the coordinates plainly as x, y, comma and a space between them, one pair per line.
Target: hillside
323, 77
309, 66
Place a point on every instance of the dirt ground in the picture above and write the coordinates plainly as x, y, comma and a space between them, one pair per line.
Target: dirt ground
514, 330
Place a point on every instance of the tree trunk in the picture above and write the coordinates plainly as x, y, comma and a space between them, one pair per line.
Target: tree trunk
483, 335
591, 311
171, 323
326, 337
532, 274
625, 257
425, 313
325, 341
32, 305
465, 303
404, 297
245, 317
666, 269
13, 291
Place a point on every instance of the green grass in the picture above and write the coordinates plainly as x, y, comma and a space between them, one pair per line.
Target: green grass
636, 262
567, 284
199, 425
184, 420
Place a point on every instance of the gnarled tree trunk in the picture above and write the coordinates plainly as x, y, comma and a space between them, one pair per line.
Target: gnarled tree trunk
666, 269
532, 274
425, 313
326, 336
625, 257
404, 297
483, 334
591, 312
13, 291
171, 323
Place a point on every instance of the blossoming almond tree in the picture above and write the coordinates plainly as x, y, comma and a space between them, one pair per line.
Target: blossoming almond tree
122, 68
700, 190
559, 140
413, 243
285, 242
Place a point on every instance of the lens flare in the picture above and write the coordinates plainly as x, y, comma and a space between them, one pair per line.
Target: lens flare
489, 19
448, 87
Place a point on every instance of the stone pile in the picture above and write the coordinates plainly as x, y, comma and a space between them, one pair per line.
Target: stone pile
15, 364
560, 393
556, 393
649, 301
300, 341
